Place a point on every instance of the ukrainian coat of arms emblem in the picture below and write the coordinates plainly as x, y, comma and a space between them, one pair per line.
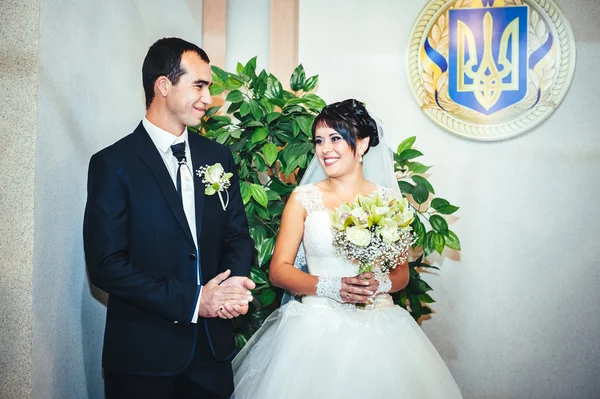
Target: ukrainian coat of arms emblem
490, 69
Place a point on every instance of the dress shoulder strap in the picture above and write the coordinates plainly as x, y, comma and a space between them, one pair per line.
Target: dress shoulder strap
311, 198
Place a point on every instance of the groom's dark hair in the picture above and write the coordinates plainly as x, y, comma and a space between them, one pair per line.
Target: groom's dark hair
164, 59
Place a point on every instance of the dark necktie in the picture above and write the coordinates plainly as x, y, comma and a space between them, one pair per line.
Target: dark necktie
179, 153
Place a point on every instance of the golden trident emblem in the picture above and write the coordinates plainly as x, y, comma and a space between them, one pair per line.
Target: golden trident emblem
488, 82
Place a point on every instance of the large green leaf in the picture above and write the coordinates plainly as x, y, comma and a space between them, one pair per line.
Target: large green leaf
298, 78
235, 96
250, 68
420, 193
244, 109
255, 110
221, 75
280, 187
267, 297
216, 89
265, 250
211, 111
273, 116
406, 144
269, 150
314, 102
452, 240
423, 181
305, 124
258, 276
417, 167
259, 194
405, 187
439, 224
260, 134
274, 88
311, 83
439, 242
409, 154
428, 246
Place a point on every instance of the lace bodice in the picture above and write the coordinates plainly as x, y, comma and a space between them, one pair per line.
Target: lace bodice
317, 240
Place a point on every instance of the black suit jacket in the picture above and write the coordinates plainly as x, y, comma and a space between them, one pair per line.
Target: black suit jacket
139, 249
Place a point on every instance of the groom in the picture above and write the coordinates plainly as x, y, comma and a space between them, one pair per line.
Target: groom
173, 259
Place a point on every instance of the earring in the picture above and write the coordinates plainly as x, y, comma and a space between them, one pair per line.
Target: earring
360, 159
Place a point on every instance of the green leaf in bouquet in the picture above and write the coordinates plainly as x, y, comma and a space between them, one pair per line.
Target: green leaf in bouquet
260, 134
425, 298
234, 82
235, 96
438, 202
409, 154
405, 187
420, 193
310, 83
439, 242
269, 150
420, 287
259, 194
216, 89
423, 181
452, 240
406, 144
439, 224
298, 78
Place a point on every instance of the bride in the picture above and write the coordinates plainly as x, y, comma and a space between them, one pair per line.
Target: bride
325, 347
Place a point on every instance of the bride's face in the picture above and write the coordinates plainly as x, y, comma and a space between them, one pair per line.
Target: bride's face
335, 154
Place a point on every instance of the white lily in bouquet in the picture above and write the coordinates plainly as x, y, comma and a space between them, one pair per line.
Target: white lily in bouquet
374, 231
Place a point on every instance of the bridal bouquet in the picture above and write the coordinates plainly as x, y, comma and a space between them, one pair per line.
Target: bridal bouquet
374, 230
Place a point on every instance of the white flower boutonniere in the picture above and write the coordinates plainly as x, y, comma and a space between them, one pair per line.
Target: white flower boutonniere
216, 181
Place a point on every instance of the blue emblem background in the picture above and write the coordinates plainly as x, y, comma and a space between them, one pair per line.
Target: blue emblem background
473, 18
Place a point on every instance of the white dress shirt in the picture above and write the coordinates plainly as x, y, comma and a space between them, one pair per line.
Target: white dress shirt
163, 141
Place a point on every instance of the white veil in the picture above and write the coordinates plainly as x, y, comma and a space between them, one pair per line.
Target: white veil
378, 167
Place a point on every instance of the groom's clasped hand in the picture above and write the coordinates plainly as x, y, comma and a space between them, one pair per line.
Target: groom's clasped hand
226, 297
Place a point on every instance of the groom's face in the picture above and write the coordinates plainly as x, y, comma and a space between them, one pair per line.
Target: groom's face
188, 100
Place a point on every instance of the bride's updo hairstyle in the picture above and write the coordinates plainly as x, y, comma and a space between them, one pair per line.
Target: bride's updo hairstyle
351, 120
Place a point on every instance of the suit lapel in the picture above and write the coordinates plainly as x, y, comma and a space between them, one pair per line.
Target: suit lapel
198, 160
146, 149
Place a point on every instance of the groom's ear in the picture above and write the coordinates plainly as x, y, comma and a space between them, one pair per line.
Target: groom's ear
162, 85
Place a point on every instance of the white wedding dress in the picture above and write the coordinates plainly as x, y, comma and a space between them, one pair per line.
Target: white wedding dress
322, 349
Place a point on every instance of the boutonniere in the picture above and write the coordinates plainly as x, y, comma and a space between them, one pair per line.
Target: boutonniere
216, 181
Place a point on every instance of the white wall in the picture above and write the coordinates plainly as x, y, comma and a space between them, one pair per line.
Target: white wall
90, 95
516, 316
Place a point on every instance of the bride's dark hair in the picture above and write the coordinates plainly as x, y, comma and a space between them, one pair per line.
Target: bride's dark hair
351, 120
